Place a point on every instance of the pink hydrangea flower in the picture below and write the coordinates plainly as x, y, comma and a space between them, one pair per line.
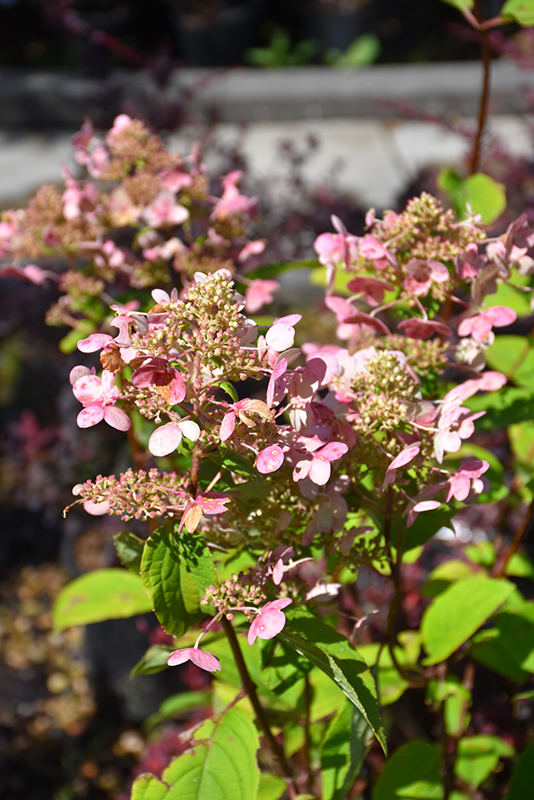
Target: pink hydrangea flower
208, 503
98, 396
237, 411
232, 202
281, 334
373, 289
318, 467
164, 210
199, 657
258, 294
167, 438
467, 478
480, 325
158, 372
270, 620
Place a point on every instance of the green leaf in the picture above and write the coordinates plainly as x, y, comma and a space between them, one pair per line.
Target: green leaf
510, 405
148, 787
129, 549
343, 751
478, 756
521, 11
177, 705
271, 787
509, 648
523, 776
391, 685
426, 526
521, 566
154, 660
363, 51
234, 463
485, 196
102, 594
522, 442
455, 698
223, 766
508, 295
335, 656
456, 614
176, 571
442, 576
514, 356
411, 773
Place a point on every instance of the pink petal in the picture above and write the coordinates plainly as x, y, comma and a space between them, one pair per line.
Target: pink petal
270, 459
117, 418
189, 429
94, 342
89, 416
278, 572
96, 509
165, 439
359, 318
333, 450
179, 657
423, 328
204, 660
88, 389
227, 426
405, 456
320, 471
500, 316
426, 505
177, 389
280, 336
278, 604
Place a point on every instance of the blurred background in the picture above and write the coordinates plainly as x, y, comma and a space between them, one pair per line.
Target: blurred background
258, 83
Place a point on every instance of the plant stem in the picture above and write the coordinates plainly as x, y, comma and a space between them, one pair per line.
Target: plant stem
483, 110
527, 522
250, 688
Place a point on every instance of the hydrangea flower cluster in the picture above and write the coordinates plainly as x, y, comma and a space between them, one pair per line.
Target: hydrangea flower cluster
264, 443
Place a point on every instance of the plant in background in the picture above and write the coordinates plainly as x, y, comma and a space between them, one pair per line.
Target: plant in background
271, 468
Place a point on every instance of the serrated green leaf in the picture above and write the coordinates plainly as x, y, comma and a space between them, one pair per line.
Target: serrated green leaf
148, 787
176, 569
456, 614
343, 751
523, 776
335, 656
521, 11
478, 756
154, 660
99, 595
411, 773
223, 766
129, 549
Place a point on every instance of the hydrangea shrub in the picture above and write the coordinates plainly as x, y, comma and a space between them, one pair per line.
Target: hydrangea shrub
270, 465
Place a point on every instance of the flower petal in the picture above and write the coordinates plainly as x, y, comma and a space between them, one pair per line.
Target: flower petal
165, 439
